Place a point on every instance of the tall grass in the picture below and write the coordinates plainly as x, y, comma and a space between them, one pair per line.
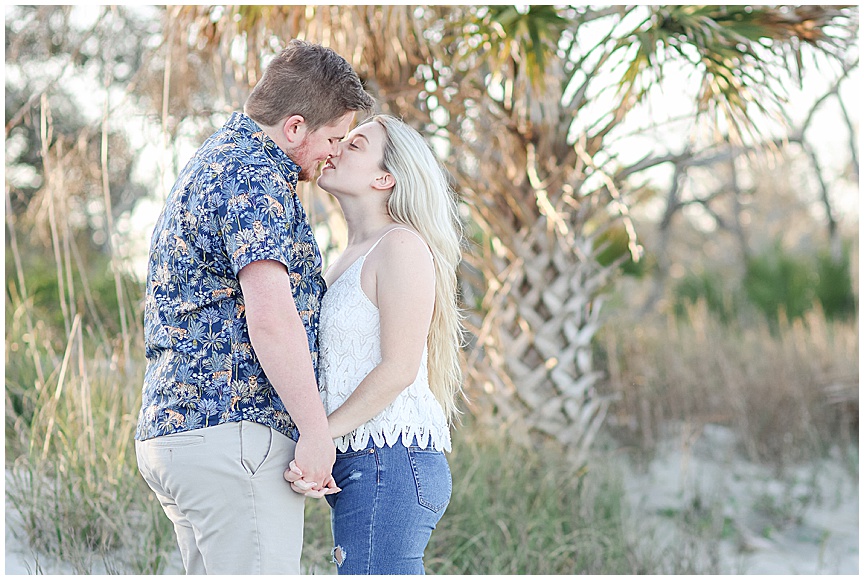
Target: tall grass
73, 386
520, 510
72, 478
530, 511
84, 508
72, 399
71, 473
789, 393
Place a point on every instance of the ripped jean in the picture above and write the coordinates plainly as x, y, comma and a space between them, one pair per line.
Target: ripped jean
391, 500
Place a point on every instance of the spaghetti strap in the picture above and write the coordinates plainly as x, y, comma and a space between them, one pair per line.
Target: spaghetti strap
419, 237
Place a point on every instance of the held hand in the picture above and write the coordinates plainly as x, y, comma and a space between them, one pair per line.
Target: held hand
293, 473
294, 476
314, 456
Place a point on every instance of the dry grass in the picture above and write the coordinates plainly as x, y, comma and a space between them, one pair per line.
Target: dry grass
71, 473
790, 394
521, 510
514, 510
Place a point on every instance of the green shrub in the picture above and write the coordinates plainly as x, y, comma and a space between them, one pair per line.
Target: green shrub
778, 282
707, 287
834, 284
613, 246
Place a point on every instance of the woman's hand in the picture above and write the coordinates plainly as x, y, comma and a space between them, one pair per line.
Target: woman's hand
294, 476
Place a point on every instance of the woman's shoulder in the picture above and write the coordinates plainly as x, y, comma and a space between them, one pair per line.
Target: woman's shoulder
404, 243
404, 267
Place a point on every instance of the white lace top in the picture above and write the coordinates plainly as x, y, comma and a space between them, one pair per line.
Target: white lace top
349, 348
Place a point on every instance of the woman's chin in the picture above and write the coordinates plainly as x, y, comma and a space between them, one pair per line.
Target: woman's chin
325, 189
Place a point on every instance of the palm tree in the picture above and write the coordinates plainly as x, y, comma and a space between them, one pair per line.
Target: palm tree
528, 149
522, 102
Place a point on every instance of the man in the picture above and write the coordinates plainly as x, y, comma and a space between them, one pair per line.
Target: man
231, 317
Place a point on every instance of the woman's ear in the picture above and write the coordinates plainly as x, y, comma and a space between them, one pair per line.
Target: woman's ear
294, 129
385, 181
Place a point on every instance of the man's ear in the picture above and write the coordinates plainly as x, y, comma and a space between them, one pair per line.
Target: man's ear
294, 129
385, 181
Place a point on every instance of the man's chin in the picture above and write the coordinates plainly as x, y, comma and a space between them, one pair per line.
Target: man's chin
306, 175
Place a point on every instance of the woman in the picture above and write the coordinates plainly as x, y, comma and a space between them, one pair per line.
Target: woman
389, 346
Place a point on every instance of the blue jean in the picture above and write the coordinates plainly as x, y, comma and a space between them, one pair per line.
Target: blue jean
391, 500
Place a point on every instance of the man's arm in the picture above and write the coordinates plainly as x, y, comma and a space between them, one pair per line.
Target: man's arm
279, 340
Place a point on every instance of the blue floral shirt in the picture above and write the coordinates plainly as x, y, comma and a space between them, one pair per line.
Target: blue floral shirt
234, 203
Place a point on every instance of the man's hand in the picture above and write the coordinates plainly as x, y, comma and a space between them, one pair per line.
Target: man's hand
313, 459
294, 476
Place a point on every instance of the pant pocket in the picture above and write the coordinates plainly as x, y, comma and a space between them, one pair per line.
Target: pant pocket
255, 444
432, 476
175, 440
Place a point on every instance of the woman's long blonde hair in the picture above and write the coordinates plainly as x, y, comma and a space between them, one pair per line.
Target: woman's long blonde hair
423, 199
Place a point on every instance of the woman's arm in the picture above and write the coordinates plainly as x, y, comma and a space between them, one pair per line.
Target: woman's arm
403, 277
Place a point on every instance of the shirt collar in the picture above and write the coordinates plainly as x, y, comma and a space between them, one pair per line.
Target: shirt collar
241, 122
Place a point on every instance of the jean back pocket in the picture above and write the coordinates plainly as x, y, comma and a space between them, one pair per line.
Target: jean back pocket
432, 476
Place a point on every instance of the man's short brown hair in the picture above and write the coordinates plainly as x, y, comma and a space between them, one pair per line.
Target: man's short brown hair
309, 80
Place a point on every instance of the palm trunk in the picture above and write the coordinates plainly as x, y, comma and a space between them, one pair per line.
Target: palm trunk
533, 358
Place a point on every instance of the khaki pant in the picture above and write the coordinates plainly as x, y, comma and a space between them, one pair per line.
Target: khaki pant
222, 487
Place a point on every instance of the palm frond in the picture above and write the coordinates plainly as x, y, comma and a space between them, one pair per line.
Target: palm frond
505, 36
743, 53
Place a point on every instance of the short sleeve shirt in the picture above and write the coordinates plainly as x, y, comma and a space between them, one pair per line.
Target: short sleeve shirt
234, 203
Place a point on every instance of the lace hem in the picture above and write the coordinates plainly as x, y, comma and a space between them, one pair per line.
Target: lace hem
437, 437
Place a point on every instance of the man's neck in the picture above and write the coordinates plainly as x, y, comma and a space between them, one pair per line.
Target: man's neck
276, 136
